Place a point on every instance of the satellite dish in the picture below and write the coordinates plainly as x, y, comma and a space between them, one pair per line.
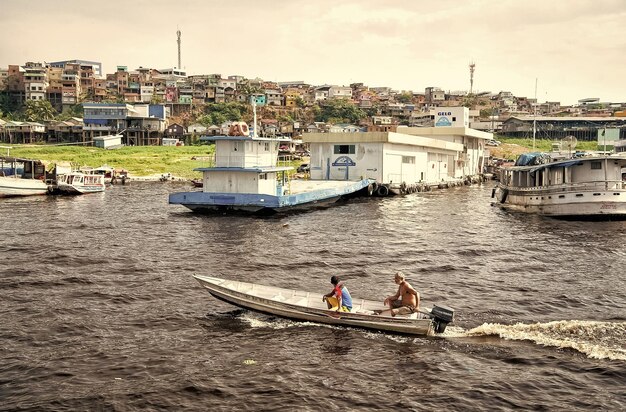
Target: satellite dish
569, 143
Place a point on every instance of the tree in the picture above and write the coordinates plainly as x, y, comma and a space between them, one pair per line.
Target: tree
38, 110
75, 110
405, 97
340, 111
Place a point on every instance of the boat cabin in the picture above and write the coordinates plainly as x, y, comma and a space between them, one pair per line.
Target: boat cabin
244, 164
587, 172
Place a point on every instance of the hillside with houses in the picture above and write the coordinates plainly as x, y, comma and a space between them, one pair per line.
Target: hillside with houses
74, 101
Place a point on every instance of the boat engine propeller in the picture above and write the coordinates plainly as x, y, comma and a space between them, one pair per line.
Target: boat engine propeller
441, 315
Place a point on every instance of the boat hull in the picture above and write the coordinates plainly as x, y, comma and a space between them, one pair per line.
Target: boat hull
263, 203
314, 310
16, 186
68, 189
593, 204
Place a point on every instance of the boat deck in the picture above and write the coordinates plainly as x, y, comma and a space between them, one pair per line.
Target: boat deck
297, 186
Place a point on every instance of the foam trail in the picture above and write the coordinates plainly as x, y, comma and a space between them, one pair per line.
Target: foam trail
598, 340
261, 321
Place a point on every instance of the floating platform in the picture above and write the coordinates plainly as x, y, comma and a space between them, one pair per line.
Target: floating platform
302, 195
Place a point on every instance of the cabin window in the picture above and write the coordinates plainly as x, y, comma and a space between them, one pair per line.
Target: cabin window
267, 146
596, 165
408, 159
263, 176
344, 149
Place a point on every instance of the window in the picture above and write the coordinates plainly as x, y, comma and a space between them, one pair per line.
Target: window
408, 159
344, 149
453, 118
267, 146
263, 176
596, 165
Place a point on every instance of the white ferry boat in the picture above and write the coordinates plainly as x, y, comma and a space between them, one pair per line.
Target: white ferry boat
591, 187
245, 176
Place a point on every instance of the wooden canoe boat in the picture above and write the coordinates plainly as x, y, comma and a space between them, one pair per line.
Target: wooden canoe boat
308, 306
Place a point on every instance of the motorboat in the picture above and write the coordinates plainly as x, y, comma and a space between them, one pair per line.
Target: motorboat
585, 187
78, 183
309, 306
22, 177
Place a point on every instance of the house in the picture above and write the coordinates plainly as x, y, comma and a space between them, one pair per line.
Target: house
23, 132
101, 119
274, 97
344, 128
340, 92
65, 131
197, 128
175, 130
145, 124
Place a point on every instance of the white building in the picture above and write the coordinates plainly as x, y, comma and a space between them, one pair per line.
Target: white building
340, 92
450, 151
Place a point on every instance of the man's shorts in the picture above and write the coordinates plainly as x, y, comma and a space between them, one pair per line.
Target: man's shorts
402, 309
333, 303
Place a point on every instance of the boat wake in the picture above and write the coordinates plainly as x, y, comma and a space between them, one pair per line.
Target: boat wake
598, 340
256, 320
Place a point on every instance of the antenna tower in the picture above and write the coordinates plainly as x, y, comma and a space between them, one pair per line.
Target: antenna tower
472, 65
178, 41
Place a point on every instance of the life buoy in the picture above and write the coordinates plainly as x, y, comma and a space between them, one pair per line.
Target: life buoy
238, 129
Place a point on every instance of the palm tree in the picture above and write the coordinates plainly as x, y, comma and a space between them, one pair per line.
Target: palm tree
38, 110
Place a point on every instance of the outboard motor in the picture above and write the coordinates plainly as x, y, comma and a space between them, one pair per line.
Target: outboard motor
441, 315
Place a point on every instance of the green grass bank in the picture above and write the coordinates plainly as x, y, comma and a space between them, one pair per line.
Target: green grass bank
138, 160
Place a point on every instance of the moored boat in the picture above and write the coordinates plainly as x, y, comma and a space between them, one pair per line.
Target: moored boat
308, 306
22, 177
78, 183
591, 187
245, 175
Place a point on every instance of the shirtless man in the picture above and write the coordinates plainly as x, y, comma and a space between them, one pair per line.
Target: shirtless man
405, 301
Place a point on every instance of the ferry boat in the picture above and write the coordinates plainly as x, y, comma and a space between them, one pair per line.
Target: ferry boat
22, 177
78, 183
245, 176
590, 187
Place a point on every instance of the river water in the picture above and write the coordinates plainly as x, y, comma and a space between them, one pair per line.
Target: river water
100, 312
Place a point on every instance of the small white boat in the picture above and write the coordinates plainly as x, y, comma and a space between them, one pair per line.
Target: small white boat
308, 306
78, 183
22, 177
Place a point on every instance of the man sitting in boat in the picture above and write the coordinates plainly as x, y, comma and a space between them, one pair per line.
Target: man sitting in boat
339, 297
405, 301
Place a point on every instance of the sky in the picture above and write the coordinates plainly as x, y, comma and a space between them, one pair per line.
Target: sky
568, 49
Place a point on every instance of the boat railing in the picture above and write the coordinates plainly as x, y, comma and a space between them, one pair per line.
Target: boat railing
236, 161
586, 185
